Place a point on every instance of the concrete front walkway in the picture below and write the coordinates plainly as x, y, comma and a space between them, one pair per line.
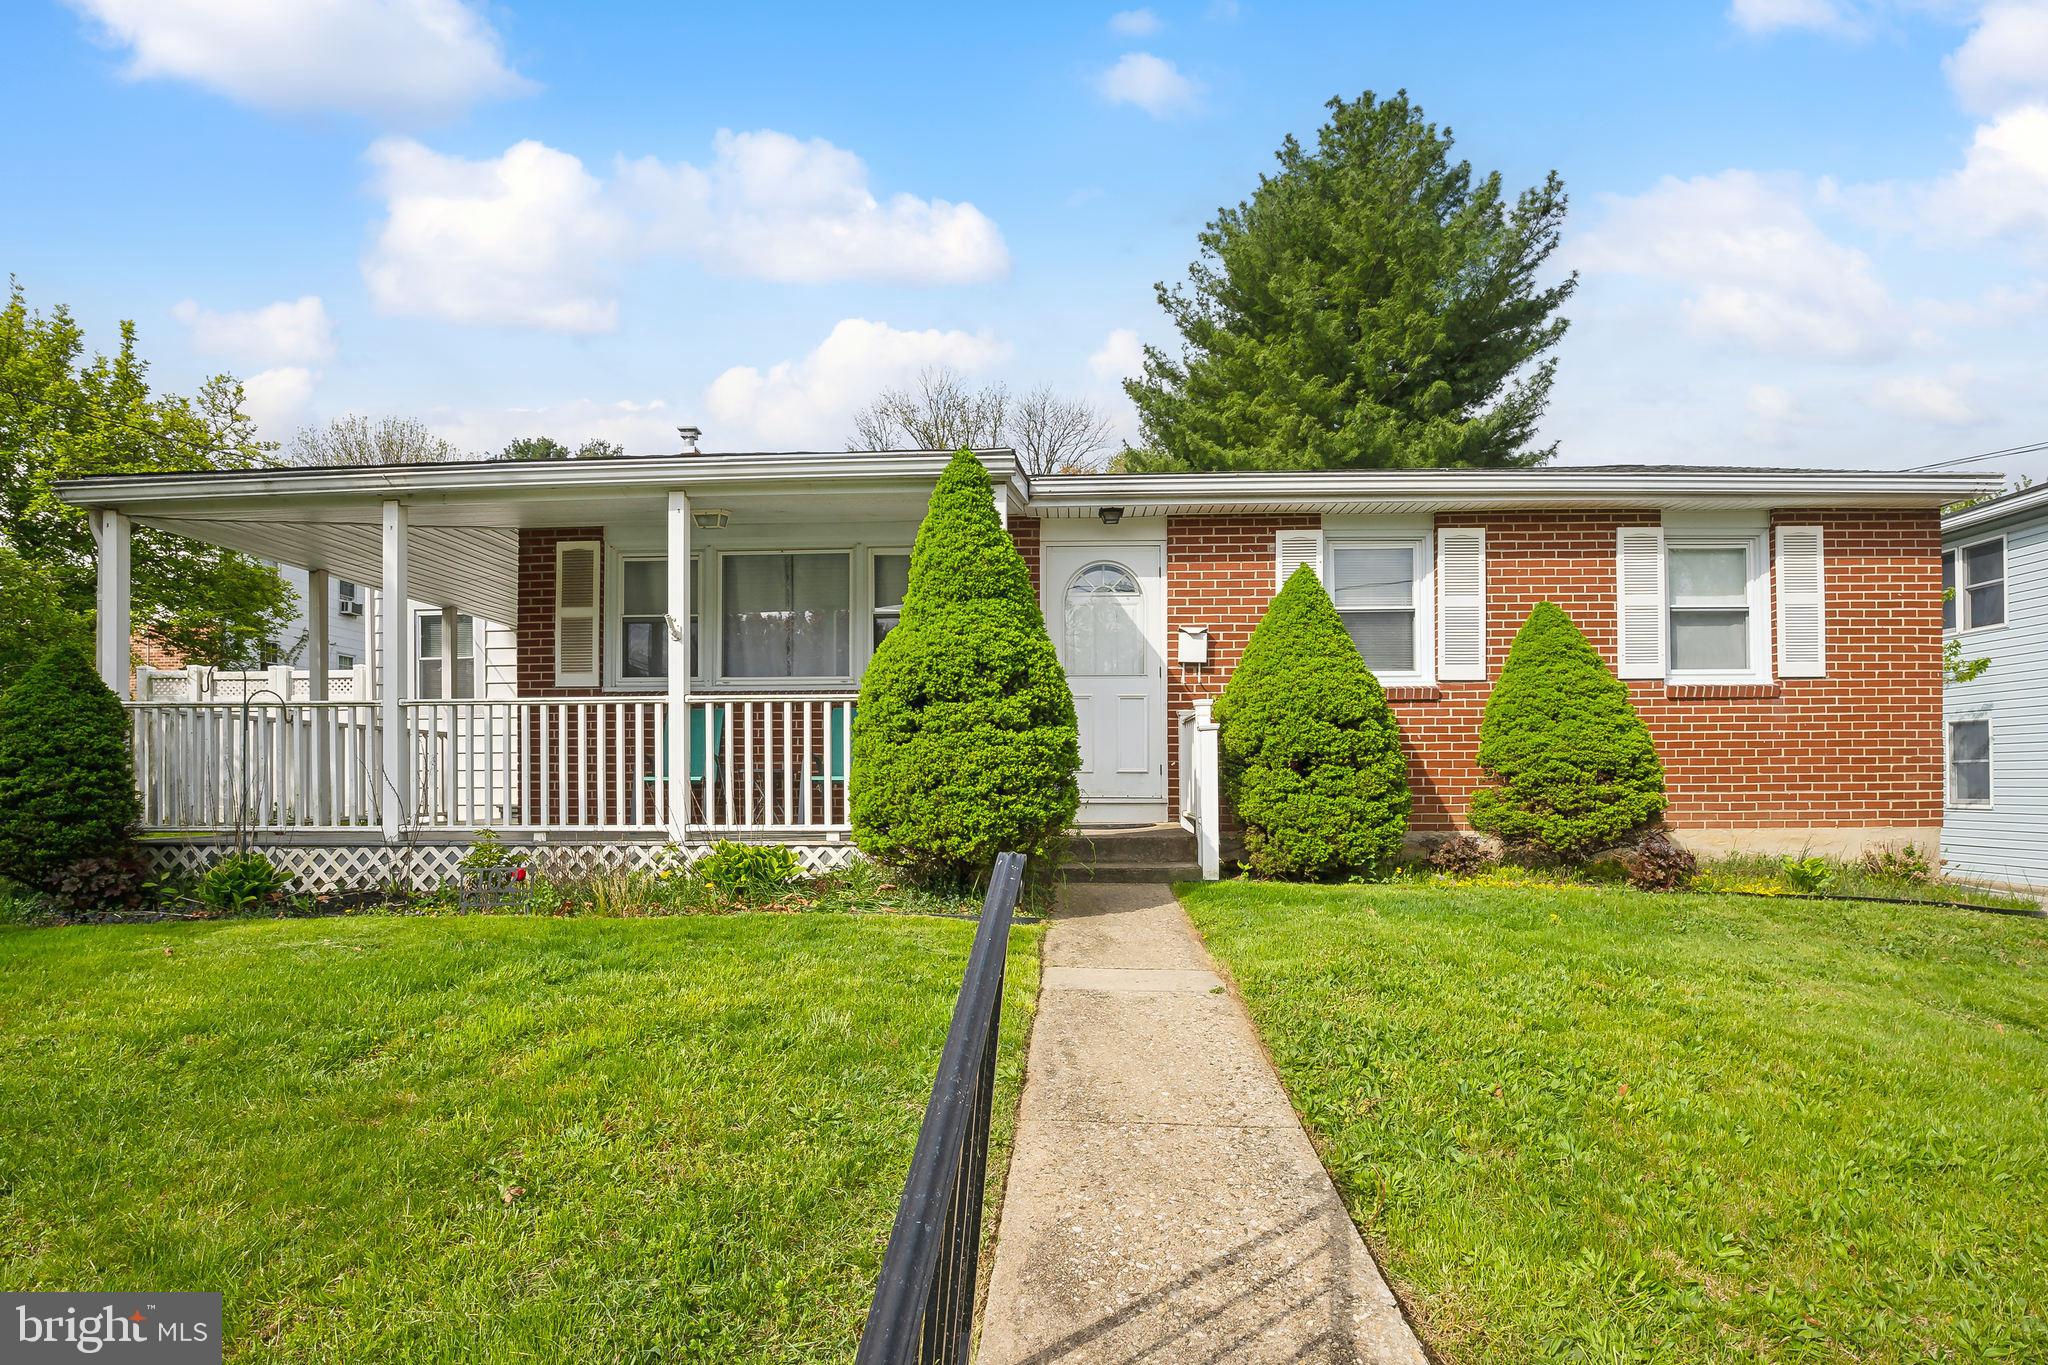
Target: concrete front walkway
1164, 1203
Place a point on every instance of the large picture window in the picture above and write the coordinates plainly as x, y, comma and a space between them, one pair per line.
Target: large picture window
786, 615
1973, 580
1376, 586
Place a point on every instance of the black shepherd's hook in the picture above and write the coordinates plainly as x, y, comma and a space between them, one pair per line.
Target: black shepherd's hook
250, 694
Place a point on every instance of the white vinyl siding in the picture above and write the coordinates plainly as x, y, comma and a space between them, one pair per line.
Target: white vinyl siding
1461, 604
2006, 840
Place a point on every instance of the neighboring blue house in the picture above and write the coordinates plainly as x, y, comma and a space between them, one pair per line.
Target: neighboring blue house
1995, 559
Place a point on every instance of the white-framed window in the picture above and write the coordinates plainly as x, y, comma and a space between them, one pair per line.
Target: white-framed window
1973, 583
1380, 586
640, 651
891, 578
344, 661
1969, 761
785, 615
1717, 608
428, 662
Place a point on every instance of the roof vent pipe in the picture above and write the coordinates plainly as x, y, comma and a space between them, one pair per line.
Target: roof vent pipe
690, 435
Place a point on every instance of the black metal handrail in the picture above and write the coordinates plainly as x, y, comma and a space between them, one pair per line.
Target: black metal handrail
923, 1311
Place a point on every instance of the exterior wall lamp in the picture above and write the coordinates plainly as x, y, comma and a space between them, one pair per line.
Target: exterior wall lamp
712, 520
1110, 515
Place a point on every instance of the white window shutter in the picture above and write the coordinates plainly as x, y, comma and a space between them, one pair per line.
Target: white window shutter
1461, 604
1639, 574
1802, 603
576, 613
1291, 550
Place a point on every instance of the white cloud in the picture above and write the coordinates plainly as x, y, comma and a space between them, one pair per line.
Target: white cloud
1120, 357
1135, 23
1924, 398
775, 207
295, 332
533, 239
522, 240
1768, 16
388, 58
276, 399
1756, 268
1153, 84
2004, 61
2002, 188
1769, 403
809, 403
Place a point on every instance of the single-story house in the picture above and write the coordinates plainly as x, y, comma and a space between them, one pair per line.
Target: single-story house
1994, 561
1780, 631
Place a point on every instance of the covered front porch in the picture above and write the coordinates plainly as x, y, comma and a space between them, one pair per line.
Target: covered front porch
773, 576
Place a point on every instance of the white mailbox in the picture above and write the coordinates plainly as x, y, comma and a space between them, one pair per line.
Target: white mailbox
1194, 644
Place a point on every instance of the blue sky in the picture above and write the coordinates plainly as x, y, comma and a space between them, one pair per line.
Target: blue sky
1809, 231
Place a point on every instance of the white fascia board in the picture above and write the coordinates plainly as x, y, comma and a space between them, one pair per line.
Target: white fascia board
1480, 489
543, 476
2022, 503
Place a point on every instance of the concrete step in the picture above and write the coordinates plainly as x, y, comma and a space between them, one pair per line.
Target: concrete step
1133, 843
1100, 873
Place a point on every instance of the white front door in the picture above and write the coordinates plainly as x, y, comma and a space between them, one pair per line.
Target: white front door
1105, 604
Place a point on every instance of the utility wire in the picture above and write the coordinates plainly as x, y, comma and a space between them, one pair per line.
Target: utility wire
2028, 449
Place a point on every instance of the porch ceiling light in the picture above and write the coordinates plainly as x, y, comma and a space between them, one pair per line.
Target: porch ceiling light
1110, 515
713, 520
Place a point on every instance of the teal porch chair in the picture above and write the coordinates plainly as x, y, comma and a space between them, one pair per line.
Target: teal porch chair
703, 750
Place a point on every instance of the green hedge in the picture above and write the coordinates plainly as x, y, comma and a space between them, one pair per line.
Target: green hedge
965, 742
67, 776
1572, 763
1310, 752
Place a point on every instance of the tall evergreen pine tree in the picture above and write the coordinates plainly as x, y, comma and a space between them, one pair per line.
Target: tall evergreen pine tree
1369, 307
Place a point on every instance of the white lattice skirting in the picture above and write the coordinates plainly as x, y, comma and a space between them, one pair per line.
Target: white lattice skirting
337, 865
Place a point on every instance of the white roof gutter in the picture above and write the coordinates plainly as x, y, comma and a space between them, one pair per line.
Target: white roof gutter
1998, 509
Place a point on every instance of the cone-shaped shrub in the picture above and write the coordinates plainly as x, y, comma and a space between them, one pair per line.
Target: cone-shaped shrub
1573, 763
965, 742
67, 779
1310, 753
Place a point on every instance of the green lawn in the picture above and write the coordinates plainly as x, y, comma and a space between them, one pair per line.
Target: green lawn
1605, 1126
480, 1138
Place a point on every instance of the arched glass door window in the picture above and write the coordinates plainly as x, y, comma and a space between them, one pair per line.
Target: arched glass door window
1104, 629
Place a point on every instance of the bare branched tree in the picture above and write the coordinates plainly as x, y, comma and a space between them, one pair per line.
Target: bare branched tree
1055, 434
354, 440
942, 411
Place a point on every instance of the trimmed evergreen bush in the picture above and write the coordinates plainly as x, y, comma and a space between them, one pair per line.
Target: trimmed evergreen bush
1572, 761
67, 777
1310, 753
964, 742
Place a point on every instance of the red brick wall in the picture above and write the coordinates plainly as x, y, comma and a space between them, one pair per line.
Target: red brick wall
1860, 747
537, 609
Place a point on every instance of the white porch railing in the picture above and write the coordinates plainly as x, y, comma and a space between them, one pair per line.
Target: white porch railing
1201, 797
758, 764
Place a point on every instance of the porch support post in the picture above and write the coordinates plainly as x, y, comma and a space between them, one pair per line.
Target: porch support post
392, 655
1208, 782
111, 622
678, 664
319, 587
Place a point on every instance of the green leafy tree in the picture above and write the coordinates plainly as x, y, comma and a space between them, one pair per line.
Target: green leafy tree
534, 448
33, 614
1310, 752
67, 778
965, 742
1369, 307
1572, 762
63, 415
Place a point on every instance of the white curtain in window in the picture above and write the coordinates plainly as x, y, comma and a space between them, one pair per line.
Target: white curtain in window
1709, 608
786, 616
